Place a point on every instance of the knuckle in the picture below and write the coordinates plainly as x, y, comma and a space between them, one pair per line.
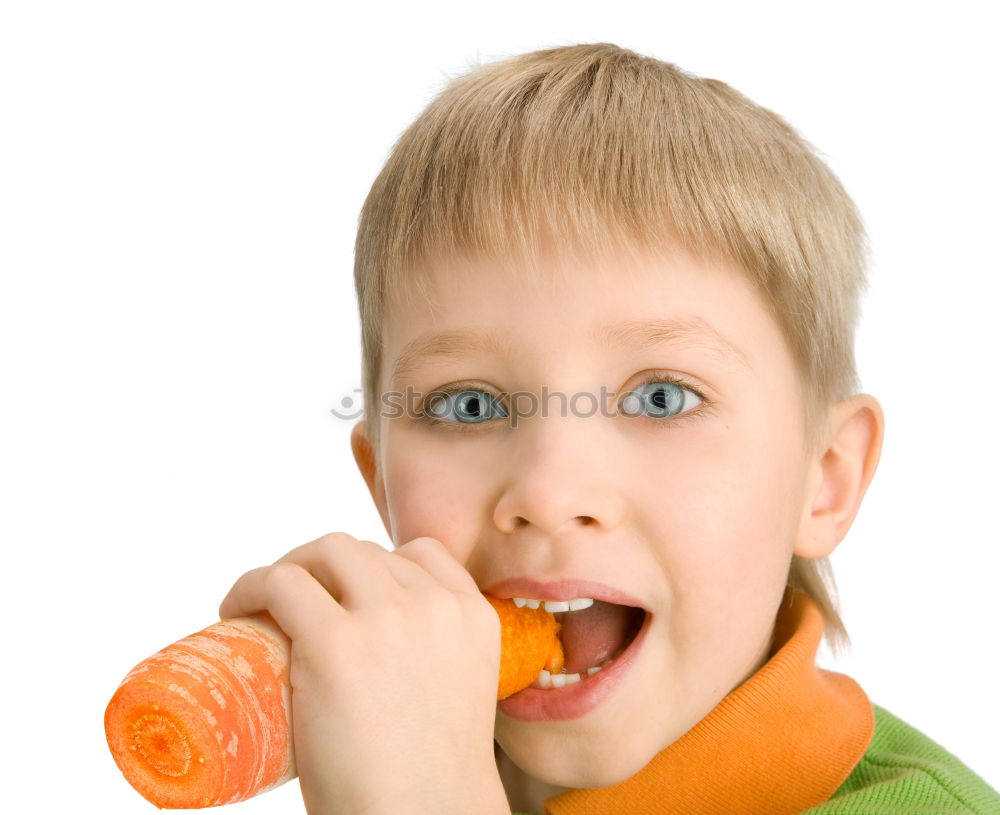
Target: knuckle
426, 542
376, 548
280, 576
333, 542
321, 548
334, 539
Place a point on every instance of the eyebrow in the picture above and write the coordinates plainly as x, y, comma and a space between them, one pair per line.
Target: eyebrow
692, 332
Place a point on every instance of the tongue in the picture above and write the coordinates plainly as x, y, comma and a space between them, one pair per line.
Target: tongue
594, 634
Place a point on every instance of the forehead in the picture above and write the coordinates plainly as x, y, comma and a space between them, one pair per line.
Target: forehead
690, 331
449, 309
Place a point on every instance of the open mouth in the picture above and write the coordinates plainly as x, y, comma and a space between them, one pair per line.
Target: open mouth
592, 638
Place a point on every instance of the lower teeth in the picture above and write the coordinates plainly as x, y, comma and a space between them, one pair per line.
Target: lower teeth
549, 681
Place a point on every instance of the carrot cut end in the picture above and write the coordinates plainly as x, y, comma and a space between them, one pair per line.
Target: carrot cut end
204, 722
161, 745
164, 754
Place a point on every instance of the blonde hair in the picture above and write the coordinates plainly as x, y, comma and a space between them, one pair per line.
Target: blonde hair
592, 148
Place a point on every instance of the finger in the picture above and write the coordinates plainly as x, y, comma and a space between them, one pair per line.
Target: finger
353, 571
289, 593
358, 572
435, 560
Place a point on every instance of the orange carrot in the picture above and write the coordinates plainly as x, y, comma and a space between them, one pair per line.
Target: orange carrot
207, 720
528, 643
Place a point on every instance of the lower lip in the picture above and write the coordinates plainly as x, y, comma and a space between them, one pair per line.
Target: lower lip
578, 699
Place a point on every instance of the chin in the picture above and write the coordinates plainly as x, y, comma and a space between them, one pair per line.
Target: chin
604, 768
600, 774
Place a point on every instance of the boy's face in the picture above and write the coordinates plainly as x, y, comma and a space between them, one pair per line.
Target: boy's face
693, 509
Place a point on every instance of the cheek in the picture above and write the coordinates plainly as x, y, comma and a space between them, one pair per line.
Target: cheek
725, 514
422, 494
727, 555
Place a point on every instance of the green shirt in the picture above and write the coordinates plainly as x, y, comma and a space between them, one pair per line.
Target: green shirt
903, 771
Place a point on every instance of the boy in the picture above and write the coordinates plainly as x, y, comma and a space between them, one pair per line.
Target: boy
607, 314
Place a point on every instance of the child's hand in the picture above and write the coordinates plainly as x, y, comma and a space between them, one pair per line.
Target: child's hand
394, 665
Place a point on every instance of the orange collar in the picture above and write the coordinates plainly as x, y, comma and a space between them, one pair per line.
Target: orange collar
782, 742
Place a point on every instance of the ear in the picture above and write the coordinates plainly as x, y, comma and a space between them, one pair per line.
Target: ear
841, 473
364, 456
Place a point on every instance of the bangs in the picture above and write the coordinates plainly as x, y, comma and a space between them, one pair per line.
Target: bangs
586, 158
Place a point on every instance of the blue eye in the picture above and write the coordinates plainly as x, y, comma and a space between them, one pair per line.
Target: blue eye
661, 398
470, 405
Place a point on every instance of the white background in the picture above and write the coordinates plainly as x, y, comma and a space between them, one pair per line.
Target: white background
179, 191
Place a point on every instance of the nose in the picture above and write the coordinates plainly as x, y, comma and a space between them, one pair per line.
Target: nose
559, 477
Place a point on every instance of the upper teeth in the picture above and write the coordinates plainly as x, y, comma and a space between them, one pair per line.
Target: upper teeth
555, 606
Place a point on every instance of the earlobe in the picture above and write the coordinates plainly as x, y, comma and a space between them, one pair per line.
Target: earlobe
841, 475
364, 456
